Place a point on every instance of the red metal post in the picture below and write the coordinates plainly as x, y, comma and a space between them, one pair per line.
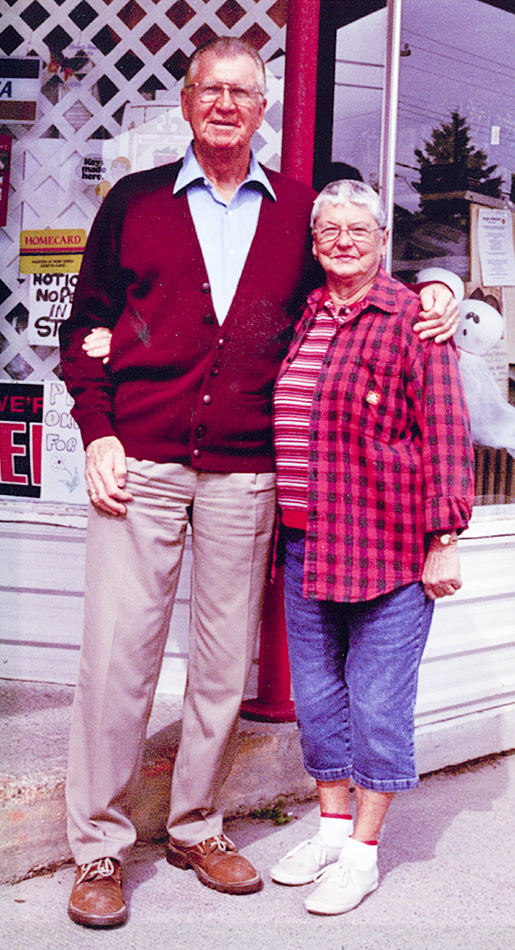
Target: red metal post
273, 703
300, 89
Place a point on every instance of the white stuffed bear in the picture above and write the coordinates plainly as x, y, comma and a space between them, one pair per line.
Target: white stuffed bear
492, 419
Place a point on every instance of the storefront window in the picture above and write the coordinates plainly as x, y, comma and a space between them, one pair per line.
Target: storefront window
454, 199
360, 55
350, 91
456, 126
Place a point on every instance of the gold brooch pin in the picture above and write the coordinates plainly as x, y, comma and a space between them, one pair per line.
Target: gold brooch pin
373, 398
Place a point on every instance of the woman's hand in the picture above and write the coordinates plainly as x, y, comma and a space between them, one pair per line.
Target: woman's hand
98, 343
441, 576
440, 315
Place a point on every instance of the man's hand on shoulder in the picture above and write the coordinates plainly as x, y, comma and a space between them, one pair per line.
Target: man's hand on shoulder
106, 473
439, 317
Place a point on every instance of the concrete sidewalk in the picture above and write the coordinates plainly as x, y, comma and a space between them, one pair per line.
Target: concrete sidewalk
34, 730
447, 883
446, 860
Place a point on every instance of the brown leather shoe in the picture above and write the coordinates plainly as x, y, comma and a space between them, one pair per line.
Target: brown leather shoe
217, 864
96, 899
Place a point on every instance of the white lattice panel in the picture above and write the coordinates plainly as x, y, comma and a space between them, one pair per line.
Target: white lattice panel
99, 57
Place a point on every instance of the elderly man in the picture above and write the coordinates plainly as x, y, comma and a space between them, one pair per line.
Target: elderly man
196, 267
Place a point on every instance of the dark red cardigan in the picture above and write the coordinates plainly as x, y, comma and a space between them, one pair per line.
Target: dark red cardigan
179, 387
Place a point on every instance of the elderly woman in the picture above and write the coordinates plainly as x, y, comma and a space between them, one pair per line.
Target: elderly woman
375, 482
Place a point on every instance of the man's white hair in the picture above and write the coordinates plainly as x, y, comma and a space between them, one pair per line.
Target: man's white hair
224, 47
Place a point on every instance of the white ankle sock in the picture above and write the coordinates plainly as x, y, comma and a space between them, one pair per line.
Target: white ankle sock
364, 856
335, 831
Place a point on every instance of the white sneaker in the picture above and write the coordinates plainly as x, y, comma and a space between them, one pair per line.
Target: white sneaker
303, 863
341, 887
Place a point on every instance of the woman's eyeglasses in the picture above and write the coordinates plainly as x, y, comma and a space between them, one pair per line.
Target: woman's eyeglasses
356, 234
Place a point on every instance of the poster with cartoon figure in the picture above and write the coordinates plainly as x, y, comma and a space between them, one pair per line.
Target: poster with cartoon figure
62, 455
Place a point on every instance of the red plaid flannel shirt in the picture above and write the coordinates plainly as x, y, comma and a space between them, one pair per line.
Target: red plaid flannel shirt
391, 457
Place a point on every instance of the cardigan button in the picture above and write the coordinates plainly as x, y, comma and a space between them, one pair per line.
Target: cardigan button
206, 288
207, 399
221, 342
201, 431
215, 371
196, 453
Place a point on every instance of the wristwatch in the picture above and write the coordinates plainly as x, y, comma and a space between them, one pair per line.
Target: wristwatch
446, 539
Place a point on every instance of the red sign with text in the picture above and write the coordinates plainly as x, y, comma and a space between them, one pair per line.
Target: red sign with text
5, 174
21, 425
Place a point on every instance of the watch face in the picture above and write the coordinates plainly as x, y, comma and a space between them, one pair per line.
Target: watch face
445, 539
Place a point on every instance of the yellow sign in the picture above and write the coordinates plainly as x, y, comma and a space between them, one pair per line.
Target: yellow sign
51, 252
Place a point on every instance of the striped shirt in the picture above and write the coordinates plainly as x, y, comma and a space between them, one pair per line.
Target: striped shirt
292, 410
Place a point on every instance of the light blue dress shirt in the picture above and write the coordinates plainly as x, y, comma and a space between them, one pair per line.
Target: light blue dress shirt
225, 230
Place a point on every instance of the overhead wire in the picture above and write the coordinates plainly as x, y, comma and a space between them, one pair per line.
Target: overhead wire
439, 42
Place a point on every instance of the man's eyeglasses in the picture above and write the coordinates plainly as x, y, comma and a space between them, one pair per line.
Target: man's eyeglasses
356, 234
210, 92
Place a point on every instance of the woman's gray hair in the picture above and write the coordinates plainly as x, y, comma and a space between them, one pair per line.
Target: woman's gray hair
222, 47
347, 191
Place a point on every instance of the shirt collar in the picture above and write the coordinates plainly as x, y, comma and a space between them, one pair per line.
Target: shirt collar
191, 174
381, 296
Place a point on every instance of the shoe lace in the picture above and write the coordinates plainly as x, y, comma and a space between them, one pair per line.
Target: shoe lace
312, 844
338, 872
222, 843
104, 867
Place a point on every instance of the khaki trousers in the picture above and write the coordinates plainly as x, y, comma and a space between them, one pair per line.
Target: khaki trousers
132, 571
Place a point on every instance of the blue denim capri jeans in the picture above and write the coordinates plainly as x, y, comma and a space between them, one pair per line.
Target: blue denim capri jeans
354, 670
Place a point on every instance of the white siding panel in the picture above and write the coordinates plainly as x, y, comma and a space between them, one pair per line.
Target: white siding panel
473, 626
55, 619
38, 664
33, 617
467, 683
41, 606
469, 661
466, 699
172, 679
42, 558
